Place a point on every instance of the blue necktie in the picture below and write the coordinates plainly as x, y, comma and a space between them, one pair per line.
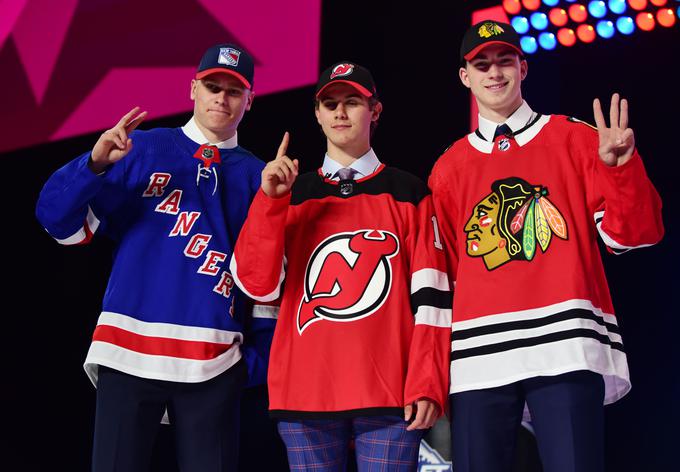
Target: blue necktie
502, 130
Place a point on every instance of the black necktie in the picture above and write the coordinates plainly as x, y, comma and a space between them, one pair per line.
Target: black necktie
502, 130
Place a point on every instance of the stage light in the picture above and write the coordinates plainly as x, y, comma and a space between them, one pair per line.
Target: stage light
658, 3
551, 3
528, 44
531, 4
578, 13
585, 33
617, 6
539, 20
605, 28
521, 24
566, 37
547, 40
665, 17
512, 6
637, 4
597, 8
558, 16
625, 25
645, 21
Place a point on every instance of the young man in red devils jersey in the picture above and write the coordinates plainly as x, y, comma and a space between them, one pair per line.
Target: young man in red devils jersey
361, 344
521, 201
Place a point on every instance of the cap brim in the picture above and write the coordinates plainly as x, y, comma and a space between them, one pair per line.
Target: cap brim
360, 88
479, 48
221, 70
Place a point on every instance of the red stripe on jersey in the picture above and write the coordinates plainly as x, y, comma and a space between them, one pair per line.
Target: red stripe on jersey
157, 346
88, 233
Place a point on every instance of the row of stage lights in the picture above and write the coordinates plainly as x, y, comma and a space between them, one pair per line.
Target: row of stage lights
607, 17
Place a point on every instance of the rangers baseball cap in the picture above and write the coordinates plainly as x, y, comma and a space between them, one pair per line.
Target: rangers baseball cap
347, 73
485, 33
227, 59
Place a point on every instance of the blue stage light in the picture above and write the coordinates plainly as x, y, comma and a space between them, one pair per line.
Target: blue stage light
521, 24
528, 44
625, 25
552, 3
539, 20
597, 8
605, 28
617, 6
547, 40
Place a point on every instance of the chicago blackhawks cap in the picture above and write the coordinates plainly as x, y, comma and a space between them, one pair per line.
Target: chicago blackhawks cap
485, 33
347, 73
228, 59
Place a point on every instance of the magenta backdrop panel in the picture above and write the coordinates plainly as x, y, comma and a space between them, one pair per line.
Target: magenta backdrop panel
71, 67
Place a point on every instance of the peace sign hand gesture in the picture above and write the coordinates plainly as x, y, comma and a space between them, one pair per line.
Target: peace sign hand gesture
279, 175
617, 143
114, 144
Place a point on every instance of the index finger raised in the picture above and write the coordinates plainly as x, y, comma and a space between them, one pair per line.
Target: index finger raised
283, 147
599, 116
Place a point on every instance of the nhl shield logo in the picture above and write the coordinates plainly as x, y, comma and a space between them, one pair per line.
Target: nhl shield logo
229, 56
346, 188
504, 144
348, 277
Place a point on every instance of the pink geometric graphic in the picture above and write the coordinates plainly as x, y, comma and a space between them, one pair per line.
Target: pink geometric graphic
74, 66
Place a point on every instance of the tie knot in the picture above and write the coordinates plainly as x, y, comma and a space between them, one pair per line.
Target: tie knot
502, 130
346, 173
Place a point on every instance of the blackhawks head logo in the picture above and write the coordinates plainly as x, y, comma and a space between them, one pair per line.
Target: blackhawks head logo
510, 222
489, 29
348, 277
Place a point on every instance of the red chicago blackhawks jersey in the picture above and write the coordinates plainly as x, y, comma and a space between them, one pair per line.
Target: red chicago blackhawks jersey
365, 319
522, 215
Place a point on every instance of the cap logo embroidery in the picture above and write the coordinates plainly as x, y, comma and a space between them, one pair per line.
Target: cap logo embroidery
229, 56
342, 70
490, 29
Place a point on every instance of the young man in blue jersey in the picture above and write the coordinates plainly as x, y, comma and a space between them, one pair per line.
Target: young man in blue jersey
170, 337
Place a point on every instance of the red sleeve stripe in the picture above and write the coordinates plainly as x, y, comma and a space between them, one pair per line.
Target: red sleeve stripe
84, 234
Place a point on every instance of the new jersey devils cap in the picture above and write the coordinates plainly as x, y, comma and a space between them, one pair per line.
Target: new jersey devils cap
228, 59
485, 33
348, 73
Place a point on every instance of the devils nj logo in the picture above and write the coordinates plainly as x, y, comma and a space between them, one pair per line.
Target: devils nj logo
348, 277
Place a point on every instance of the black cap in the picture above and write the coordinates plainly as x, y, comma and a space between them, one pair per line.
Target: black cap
486, 33
228, 59
348, 73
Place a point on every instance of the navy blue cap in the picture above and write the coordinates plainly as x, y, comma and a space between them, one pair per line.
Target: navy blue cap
228, 59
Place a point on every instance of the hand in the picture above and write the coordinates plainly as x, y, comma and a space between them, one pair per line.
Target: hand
426, 412
618, 142
114, 143
278, 175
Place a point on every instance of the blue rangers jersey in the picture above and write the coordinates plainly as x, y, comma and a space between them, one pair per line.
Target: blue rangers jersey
174, 208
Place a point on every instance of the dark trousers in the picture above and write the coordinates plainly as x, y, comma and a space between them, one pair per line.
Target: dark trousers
566, 412
204, 415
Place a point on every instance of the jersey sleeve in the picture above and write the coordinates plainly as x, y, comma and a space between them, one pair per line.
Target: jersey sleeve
428, 365
445, 210
258, 262
625, 206
75, 202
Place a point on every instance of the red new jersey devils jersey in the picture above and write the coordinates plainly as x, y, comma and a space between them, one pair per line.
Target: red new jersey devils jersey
365, 319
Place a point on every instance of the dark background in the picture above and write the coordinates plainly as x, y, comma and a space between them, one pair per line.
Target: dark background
53, 293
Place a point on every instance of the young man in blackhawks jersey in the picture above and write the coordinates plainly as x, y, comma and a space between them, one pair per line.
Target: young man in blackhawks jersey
361, 344
521, 201
171, 333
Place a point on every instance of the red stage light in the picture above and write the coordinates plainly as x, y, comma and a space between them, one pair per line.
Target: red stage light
658, 3
665, 17
512, 6
566, 37
578, 13
531, 4
645, 21
637, 4
558, 16
586, 33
